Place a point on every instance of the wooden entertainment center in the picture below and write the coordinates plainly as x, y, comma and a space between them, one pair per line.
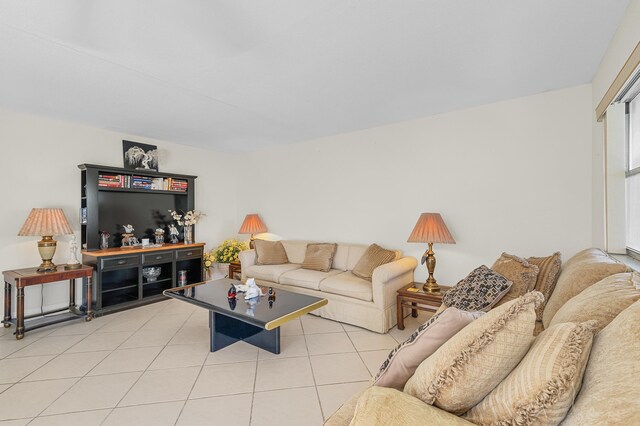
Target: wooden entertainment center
112, 197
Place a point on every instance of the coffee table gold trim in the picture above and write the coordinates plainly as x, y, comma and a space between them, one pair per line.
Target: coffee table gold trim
295, 314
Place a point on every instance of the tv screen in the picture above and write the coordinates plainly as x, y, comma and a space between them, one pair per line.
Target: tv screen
145, 212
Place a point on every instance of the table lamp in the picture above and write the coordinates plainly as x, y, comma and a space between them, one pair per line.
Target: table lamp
252, 225
46, 223
430, 229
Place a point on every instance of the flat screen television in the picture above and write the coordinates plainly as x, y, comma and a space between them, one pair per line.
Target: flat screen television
144, 211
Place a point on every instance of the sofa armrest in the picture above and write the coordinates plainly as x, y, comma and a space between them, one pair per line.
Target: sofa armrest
387, 279
387, 406
247, 258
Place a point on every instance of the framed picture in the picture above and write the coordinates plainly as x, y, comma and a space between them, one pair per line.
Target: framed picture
140, 156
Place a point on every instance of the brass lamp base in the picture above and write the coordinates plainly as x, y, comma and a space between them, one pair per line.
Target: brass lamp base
429, 257
431, 287
47, 248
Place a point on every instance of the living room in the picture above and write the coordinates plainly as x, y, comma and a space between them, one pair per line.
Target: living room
522, 172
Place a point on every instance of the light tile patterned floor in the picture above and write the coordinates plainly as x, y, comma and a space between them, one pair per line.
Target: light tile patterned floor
152, 365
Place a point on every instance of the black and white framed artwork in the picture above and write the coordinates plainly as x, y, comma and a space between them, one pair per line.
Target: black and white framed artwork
140, 156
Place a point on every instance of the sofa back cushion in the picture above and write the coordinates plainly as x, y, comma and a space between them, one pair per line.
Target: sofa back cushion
602, 302
517, 270
270, 253
548, 273
295, 250
319, 256
341, 257
541, 389
356, 251
470, 364
611, 385
581, 271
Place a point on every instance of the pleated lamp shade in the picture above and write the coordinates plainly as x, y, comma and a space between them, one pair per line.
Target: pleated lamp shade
41, 222
252, 225
430, 228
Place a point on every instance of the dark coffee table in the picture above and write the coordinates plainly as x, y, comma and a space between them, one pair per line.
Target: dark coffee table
257, 322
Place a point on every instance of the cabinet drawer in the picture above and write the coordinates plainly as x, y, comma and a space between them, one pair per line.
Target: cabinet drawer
157, 257
189, 253
113, 262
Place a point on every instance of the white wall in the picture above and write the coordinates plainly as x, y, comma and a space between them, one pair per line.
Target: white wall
513, 176
626, 38
39, 169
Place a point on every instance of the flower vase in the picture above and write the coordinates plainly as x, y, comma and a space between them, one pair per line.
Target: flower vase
188, 234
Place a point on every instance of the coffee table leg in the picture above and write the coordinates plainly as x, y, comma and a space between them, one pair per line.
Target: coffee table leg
7, 304
20, 313
226, 331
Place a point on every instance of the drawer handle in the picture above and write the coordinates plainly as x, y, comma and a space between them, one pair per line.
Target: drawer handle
158, 257
189, 254
121, 262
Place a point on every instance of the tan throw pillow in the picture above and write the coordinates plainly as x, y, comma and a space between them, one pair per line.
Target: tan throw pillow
384, 406
468, 366
581, 271
543, 386
371, 259
478, 291
517, 270
403, 360
319, 256
611, 385
270, 253
549, 271
603, 301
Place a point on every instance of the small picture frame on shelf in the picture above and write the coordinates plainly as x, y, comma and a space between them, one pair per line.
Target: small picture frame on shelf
140, 156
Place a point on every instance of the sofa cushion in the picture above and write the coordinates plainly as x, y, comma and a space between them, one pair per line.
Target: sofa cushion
581, 271
269, 272
373, 257
306, 278
478, 291
611, 385
270, 253
470, 364
347, 284
384, 406
295, 250
404, 359
548, 273
603, 301
517, 270
541, 389
341, 257
319, 256
355, 253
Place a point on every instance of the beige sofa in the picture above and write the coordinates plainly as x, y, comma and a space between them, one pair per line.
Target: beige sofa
352, 300
591, 286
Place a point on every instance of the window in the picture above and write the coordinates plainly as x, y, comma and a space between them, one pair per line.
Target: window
632, 175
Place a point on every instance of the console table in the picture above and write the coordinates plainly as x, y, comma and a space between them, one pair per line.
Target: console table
120, 282
30, 276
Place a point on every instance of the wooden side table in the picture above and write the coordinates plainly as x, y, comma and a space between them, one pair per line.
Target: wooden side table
30, 276
234, 267
417, 300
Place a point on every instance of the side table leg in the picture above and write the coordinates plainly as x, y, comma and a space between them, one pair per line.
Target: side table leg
72, 294
89, 316
414, 312
7, 304
20, 313
400, 314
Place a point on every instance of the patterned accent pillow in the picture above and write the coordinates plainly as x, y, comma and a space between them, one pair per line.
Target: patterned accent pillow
403, 361
479, 291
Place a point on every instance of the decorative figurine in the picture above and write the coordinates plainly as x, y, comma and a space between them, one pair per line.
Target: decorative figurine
104, 240
73, 262
128, 229
252, 289
231, 294
159, 233
127, 236
272, 297
251, 307
173, 234
232, 303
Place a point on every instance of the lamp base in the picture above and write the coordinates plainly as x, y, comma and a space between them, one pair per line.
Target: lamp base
430, 259
47, 266
431, 287
47, 248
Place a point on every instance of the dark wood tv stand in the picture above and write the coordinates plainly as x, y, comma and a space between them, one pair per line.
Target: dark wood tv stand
119, 282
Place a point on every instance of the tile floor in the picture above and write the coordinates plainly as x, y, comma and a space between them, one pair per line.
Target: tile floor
152, 365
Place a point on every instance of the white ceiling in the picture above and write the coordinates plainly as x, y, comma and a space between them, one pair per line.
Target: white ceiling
239, 75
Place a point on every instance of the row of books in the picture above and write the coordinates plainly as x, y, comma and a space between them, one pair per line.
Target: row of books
142, 182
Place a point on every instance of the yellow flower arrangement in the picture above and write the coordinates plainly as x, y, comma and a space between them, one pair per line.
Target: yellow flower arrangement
228, 251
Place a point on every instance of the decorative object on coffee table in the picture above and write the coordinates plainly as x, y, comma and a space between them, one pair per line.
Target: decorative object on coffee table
252, 225
430, 229
46, 223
